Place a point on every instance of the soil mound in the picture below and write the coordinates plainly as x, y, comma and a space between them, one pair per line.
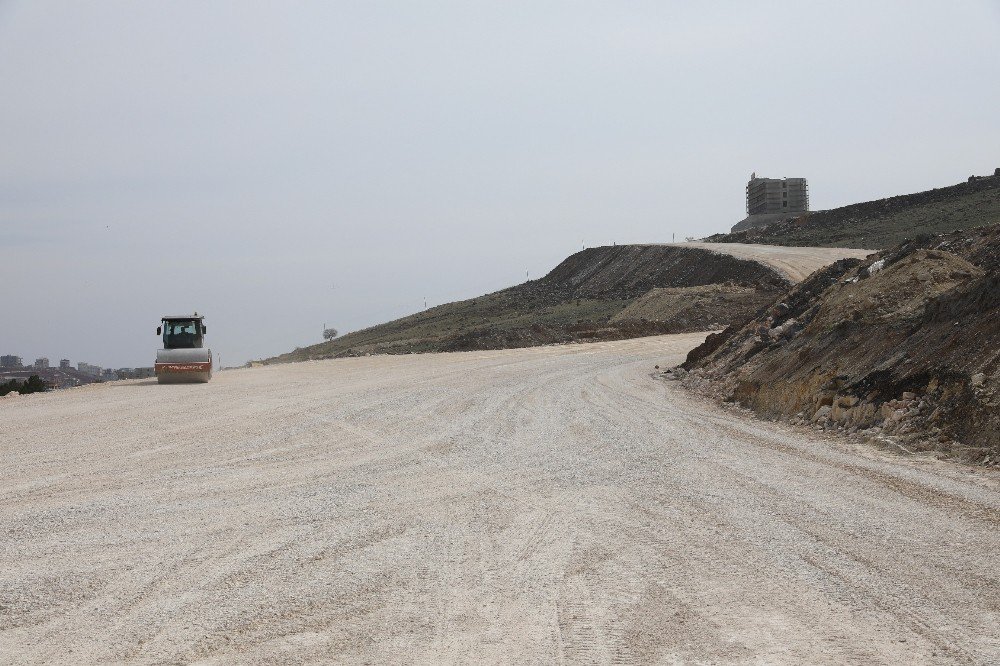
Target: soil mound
905, 343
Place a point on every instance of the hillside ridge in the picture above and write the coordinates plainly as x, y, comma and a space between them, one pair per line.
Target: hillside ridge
882, 223
579, 300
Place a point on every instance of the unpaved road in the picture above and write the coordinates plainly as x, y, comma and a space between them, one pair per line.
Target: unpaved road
795, 263
545, 505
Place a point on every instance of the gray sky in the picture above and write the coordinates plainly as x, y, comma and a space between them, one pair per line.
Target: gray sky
281, 165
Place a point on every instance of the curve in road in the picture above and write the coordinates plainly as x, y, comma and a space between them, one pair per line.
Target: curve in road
795, 263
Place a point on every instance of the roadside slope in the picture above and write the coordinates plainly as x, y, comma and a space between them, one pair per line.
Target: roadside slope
581, 300
885, 222
905, 343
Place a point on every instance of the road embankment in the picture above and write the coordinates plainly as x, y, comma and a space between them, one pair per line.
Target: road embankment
903, 344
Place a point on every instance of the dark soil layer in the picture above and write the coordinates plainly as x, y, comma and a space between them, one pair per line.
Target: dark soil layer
886, 222
577, 301
905, 343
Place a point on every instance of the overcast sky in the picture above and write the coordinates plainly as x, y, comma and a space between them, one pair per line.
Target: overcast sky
277, 166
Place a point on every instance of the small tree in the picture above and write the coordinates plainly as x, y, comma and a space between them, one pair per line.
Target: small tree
34, 384
329, 333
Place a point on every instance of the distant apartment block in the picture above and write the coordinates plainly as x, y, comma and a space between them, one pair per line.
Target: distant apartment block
10, 361
41, 362
88, 369
777, 195
135, 373
65, 364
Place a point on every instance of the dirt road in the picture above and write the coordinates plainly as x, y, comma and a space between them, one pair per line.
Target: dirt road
543, 505
795, 263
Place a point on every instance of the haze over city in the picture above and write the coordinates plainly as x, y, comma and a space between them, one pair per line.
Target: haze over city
278, 167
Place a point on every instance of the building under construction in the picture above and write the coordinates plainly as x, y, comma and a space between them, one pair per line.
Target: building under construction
767, 196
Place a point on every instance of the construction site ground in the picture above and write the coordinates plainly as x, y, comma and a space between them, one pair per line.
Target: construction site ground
542, 505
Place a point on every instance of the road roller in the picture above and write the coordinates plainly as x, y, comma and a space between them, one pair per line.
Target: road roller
184, 357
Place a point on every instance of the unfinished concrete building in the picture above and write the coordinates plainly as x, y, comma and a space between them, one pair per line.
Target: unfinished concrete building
777, 195
773, 199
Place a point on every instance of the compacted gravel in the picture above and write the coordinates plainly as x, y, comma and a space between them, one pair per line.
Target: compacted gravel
556, 504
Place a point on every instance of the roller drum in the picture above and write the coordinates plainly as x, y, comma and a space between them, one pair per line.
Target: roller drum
174, 366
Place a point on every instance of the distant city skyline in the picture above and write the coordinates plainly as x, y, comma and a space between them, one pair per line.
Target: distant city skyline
64, 375
277, 167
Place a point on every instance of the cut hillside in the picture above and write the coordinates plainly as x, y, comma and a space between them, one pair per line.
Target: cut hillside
696, 308
584, 298
905, 343
886, 222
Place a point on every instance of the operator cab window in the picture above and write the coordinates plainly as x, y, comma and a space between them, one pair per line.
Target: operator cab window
181, 335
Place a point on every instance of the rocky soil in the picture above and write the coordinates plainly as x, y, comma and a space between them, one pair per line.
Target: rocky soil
885, 222
904, 344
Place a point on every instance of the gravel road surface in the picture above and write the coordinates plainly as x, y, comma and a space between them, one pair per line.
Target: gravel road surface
795, 263
556, 504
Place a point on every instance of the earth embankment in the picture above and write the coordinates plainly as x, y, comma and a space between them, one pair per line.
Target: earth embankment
905, 343
584, 297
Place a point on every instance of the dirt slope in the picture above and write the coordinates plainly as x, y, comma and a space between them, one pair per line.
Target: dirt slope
905, 343
696, 308
546, 505
579, 300
886, 222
